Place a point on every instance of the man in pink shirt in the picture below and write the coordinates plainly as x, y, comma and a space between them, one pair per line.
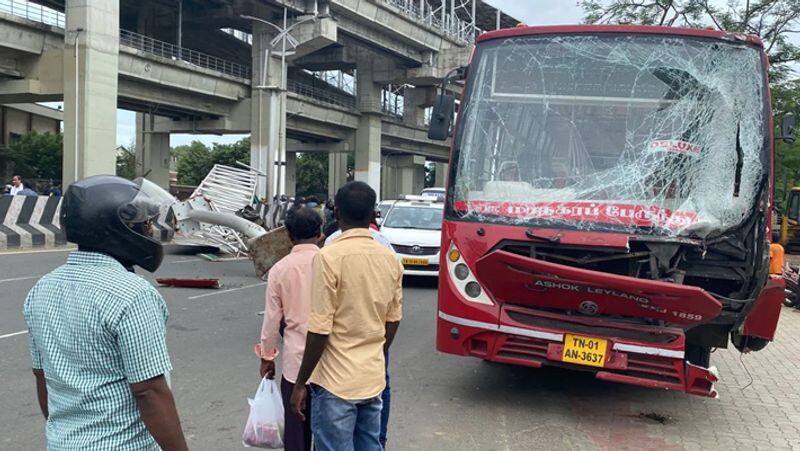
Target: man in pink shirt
289, 298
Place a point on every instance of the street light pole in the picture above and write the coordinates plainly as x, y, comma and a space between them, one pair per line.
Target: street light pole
277, 179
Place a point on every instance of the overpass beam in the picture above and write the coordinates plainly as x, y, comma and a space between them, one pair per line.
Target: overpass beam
152, 151
415, 100
368, 133
90, 88
291, 173
440, 181
403, 174
337, 172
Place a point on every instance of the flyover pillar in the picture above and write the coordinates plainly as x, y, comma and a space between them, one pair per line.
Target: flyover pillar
337, 172
368, 133
152, 151
415, 101
268, 128
291, 174
403, 174
440, 181
90, 88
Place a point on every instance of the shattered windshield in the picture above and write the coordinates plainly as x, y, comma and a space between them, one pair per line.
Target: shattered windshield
657, 133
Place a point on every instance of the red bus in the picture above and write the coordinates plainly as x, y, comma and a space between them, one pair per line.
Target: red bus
608, 202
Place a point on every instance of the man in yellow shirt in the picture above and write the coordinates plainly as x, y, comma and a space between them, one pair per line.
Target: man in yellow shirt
356, 307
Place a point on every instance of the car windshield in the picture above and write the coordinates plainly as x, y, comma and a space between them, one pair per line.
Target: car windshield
414, 218
657, 133
384, 208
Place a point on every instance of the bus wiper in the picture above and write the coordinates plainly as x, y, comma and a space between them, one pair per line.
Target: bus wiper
737, 181
552, 239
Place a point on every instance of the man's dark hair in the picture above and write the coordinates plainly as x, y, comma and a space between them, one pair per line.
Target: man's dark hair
355, 202
331, 228
312, 199
303, 224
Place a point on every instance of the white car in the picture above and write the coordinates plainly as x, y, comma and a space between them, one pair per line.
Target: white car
438, 193
414, 228
383, 207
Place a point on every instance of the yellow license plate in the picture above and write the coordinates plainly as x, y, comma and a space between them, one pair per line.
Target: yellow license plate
584, 350
415, 261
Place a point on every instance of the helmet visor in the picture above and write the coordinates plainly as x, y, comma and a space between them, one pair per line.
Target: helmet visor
139, 210
146, 206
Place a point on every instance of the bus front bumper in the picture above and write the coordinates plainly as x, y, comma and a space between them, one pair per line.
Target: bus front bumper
646, 356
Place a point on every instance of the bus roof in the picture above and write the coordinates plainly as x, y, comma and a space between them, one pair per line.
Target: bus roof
630, 29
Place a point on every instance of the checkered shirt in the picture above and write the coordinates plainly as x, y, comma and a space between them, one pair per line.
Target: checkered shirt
95, 328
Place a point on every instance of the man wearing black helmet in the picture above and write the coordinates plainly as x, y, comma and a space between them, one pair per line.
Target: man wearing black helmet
97, 330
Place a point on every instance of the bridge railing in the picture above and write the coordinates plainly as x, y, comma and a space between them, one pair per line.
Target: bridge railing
321, 95
449, 24
34, 12
174, 52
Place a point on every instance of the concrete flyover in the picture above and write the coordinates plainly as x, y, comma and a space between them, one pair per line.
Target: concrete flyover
219, 67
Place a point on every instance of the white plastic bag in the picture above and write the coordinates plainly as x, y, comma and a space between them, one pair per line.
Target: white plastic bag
264, 428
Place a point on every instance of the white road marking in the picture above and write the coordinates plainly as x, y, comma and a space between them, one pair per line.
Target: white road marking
14, 334
19, 278
226, 291
188, 260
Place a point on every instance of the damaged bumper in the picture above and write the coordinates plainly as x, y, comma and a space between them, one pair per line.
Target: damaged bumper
647, 356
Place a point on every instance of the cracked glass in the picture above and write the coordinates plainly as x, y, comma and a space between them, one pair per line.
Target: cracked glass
654, 134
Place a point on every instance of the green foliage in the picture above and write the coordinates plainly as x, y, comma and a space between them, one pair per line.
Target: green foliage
196, 159
312, 173
38, 155
126, 163
772, 20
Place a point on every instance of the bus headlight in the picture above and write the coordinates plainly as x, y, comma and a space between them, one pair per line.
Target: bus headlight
465, 282
473, 289
461, 271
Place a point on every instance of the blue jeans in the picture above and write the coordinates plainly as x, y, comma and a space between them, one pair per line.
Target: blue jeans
342, 425
386, 397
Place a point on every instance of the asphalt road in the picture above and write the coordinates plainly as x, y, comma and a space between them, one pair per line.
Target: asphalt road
439, 401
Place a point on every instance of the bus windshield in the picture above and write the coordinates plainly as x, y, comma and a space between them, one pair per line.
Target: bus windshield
662, 134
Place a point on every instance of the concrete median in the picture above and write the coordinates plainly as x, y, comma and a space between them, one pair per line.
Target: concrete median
34, 222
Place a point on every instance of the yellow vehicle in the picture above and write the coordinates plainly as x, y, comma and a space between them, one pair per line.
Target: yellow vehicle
789, 236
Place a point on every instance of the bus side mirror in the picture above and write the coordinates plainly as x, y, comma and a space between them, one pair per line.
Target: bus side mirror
442, 117
787, 128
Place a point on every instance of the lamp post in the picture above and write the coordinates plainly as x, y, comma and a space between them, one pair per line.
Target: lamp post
287, 44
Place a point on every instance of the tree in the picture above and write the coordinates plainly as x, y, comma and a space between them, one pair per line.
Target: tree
126, 162
772, 20
38, 155
196, 159
312, 173
229, 154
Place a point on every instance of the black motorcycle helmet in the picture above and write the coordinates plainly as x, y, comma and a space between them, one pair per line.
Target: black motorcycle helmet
112, 215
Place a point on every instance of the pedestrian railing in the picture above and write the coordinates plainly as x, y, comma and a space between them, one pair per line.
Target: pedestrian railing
34, 12
174, 52
437, 17
322, 95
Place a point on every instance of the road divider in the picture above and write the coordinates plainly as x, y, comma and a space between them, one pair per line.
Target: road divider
34, 221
